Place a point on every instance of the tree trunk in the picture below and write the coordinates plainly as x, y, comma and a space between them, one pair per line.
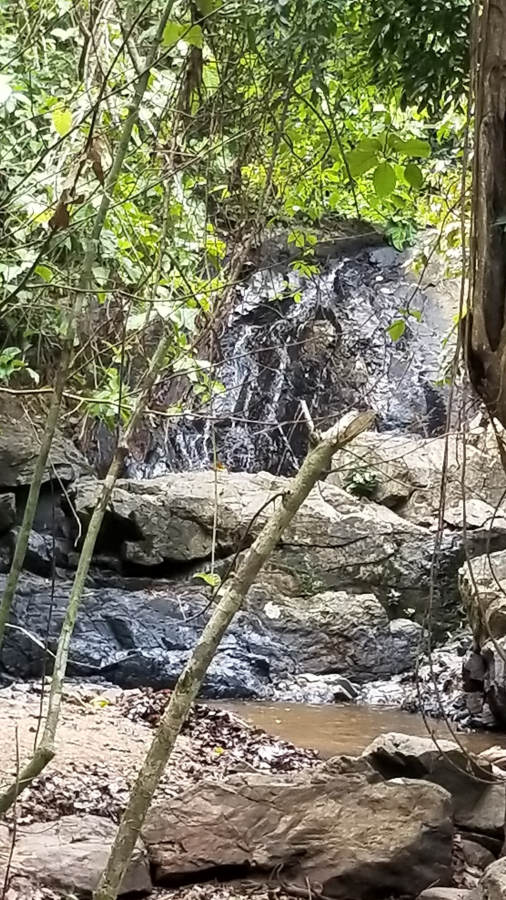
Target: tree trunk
74, 316
486, 322
45, 751
190, 680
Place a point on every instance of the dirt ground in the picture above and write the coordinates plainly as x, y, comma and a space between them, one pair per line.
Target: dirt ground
89, 734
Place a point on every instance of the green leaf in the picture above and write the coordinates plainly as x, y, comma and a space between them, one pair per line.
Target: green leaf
416, 147
394, 142
211, 578
413, 175
369, 144
360, 161
384, 179
415, 313
206, 7
62, 120
44, 272
194, 36
172, 33
396, 329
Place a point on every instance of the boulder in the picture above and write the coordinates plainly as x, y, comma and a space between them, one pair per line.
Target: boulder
404, 473
19, 447
308, 688
482, 583
446, 893
69, 854
171, 518
336, 542
343, 836
479, 802
493, 882
475, 854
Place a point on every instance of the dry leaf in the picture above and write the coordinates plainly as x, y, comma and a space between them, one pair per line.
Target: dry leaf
60, 218
96, 161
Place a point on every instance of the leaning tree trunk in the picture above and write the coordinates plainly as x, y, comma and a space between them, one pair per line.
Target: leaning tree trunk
485, 325
190, 681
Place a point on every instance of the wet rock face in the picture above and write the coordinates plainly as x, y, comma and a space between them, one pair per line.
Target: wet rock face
144, 637
331, 349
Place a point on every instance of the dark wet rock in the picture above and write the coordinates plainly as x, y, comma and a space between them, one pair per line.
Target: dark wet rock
479, 802
44, 552
436, 687
475, 854
331, 349
144, 636
7, 511
70, 854
308, 688
316, 831
39, 554
493, 844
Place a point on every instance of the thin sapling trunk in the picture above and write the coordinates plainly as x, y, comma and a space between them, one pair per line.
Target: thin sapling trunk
190, 681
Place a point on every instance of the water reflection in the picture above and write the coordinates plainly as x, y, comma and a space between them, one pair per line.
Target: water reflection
344, 728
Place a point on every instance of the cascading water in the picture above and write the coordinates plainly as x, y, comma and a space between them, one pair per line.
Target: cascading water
331, 348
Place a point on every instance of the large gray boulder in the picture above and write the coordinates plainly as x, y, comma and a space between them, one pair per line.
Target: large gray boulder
478, 797
342, 836
69, 854
482, 583
334, 543
19, 448
172, 518
337, 596
405, 472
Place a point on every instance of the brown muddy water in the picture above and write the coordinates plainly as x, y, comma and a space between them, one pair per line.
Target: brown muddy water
345, 728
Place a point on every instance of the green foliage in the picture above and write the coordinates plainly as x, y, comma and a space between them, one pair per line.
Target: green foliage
421, 46
396, 329
113, 401
361, 482
12, 362
210, 578
255, 114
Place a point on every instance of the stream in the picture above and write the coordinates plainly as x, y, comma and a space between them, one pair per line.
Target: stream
344, 728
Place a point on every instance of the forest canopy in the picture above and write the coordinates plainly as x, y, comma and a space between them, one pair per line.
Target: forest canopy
253, 115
